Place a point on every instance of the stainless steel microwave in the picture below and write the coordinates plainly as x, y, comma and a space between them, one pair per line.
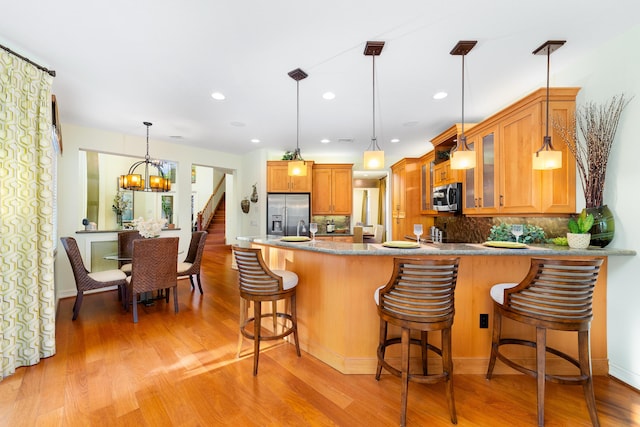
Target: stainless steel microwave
448, 198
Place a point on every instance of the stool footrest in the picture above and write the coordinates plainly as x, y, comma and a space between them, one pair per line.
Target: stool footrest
559, 379
285, 332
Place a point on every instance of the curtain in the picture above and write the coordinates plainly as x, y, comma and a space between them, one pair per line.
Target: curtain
381, 201
364, 213
27, 295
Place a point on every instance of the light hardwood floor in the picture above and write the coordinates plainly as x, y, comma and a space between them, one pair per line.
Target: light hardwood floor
180, 370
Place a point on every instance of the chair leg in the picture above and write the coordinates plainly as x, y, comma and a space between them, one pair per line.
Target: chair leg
585, 369
294, 320
199, 283
192, 285
405, 375
135, 307
381, 347
243, 318
447, 363
424, 339
175, 298
495, 339
257, 316
77, 304
541, 348
274, 316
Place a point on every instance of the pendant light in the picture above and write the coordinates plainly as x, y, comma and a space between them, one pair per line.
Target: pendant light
136, 182
297, 166
462, 157
374, 156
546, 158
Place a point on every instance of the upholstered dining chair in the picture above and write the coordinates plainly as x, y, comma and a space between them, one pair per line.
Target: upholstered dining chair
125, 248
154, 267
191, 264
86, 281
378, 234
556, 294
257, 284
418, 297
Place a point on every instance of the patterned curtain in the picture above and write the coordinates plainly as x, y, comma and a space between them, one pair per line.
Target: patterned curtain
27, 296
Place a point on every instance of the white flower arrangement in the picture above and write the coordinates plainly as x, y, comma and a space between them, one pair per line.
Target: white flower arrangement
150, 227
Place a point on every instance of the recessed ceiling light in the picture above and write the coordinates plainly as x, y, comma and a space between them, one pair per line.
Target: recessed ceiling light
238, 124
255, 140
328, 95
394, 140
218, 96
325, 141
440, 95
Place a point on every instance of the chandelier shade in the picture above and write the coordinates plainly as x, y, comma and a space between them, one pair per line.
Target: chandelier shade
297, 166
373, 155
547, 158
144, 181
462, 157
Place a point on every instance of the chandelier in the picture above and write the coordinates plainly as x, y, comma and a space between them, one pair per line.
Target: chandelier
138, 182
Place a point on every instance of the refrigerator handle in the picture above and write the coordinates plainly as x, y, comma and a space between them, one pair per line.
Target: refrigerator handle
286, 220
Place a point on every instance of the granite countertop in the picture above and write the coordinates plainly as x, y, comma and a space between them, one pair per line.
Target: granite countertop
342, 248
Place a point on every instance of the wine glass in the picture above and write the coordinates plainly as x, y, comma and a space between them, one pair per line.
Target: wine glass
417, 230
517, 230
313, 229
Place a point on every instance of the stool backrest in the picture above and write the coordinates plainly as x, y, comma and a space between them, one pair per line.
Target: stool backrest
556, 290
254, 277
420, 290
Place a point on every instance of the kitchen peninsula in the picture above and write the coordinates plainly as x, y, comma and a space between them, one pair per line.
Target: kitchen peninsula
337, 318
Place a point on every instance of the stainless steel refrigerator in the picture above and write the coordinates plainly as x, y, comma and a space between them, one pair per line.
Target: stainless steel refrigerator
286, 213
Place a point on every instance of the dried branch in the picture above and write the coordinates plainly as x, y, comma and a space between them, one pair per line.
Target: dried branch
597, 126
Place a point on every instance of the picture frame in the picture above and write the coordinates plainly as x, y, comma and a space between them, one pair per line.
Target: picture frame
127, 213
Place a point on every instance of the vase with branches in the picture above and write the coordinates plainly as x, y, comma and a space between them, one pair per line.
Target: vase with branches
589, 135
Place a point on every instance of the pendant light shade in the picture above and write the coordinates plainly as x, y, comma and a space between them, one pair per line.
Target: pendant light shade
297, 166
546, 158
462, 157
139, 182
373, 156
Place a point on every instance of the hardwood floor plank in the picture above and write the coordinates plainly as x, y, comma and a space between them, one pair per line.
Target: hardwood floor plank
181, 370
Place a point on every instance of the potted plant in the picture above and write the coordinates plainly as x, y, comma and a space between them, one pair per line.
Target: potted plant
596, 125
578, 236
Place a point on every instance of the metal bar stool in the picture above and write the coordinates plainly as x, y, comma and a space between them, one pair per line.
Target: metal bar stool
420, 297
556, 294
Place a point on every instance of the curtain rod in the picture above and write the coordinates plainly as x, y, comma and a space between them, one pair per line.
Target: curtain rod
52, 73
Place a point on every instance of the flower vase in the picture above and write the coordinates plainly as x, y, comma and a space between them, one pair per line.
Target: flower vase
119, 220
603, 227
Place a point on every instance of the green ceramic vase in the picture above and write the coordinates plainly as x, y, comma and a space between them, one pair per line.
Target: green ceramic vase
603, 226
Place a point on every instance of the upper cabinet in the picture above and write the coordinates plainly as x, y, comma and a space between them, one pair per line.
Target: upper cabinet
405, 197
279, 181
504, 181
332, 189
427, 170
442, 145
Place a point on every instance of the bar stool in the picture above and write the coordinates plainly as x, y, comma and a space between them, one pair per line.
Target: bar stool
257, 284
419, 296
556, 294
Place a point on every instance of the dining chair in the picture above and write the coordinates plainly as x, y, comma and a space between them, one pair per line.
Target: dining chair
86, 281
378, 234
125, 248
419, 296
154, 268
191, 264
556, 294
258, 283
357, 234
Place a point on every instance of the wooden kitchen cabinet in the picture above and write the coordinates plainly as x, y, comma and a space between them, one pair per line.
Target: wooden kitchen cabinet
332, 189
504, 181
405, 197
427, 171
279, 181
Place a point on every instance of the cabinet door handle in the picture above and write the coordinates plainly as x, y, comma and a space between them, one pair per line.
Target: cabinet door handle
479, 202
501, 200
475, 202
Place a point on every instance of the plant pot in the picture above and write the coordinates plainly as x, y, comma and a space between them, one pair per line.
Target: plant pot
578, 241
603, 226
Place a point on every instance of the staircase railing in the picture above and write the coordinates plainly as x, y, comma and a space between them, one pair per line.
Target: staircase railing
206, 214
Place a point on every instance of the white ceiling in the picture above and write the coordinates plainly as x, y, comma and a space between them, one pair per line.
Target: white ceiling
122, 62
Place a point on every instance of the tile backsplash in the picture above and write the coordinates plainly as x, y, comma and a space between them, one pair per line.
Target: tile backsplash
476, 229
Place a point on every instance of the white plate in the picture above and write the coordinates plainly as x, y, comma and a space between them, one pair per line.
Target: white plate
506, 245
400, 244
295, 239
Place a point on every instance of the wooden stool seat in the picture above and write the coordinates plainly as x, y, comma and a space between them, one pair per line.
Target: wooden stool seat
418, 297
556, 294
